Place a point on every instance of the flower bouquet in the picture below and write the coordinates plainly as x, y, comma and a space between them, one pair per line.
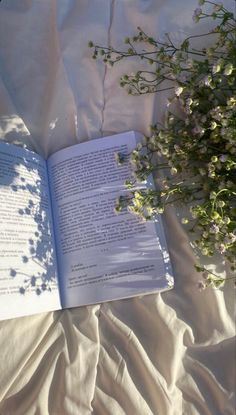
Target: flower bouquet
195, 148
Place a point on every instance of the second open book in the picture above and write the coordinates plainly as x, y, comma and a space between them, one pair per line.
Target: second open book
61, 243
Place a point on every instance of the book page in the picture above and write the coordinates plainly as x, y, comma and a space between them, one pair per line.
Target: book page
101, 255
28, 272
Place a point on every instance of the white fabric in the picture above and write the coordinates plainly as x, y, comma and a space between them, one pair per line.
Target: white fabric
163, 354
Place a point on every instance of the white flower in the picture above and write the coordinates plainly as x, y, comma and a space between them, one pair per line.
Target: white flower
173, 171
212, 195
221, 247
216, 113
189, 101
211, 174
231, 101
220, 203
214, 228
223, 158
231, 237
228, 69
188, 110
208, 80
196, 14
216, 68
164, 151
214, 159
152, 139
178, 90
218, 7
198, 130
205, 251
194, 214
210, 51
177, 148
213, 125
201, 285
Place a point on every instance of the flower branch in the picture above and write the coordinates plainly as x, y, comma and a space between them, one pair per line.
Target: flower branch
196, 147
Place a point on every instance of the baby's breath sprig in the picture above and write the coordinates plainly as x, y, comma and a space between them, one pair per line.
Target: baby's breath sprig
172, 62
210, 279
196, 147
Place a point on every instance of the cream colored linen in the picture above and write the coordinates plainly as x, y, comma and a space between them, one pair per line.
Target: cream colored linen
162, 354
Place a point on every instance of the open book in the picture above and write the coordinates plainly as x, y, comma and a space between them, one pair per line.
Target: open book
61, 243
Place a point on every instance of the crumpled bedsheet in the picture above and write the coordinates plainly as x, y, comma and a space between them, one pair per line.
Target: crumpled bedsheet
169, 353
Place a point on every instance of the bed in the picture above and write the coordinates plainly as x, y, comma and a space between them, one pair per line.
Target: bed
168, 353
